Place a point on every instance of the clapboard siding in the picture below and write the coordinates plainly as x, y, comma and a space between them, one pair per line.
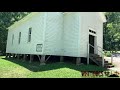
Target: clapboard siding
90, 20
37, 24
53, 33
71, 34
61, 34
100, 37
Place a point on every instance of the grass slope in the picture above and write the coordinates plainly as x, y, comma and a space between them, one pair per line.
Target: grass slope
10, 68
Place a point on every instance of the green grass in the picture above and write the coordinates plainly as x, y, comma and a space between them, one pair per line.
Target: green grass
10, 68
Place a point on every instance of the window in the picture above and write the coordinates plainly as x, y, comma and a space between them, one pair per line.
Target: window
19, 38
92, 31
39, 47
29, 34
12, 38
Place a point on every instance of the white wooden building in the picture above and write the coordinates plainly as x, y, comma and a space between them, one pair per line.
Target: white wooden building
57, 34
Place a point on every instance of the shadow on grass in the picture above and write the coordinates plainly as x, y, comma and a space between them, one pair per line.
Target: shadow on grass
35, 66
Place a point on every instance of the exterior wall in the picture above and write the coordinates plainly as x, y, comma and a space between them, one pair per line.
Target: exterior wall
37, 24
66, 35
71, 34
90, 20
53, 34
100, 36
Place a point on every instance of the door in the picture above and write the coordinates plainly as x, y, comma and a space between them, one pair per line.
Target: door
92, 42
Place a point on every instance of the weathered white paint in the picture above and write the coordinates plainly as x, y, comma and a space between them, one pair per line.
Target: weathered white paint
61, 34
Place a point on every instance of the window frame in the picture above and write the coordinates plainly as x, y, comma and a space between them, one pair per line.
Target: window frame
19, 39
12, 39
29, 34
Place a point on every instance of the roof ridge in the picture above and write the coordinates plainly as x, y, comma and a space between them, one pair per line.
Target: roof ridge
23, 19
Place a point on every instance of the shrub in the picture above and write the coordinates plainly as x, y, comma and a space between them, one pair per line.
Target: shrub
108, 54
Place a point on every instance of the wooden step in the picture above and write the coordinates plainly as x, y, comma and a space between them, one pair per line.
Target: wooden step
107, 63
98, 60
94, 61
109, 66
94, 55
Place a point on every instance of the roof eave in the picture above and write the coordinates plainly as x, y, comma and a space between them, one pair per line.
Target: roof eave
102, 16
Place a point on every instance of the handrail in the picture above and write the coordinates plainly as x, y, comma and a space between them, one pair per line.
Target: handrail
102, 48
97, 49
103, 61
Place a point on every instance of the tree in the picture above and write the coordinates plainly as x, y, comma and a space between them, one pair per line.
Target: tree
112, 31
7, 19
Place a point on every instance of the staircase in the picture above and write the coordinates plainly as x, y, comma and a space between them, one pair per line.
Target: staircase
98, 60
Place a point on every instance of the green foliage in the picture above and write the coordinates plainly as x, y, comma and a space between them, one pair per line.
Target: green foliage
112, 31
7, 19
108, 54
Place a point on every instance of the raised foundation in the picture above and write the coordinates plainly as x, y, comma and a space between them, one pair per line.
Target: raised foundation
43, 58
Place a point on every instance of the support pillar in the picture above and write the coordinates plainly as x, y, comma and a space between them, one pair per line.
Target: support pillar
112, 59
6, 55
24, 57
9, 55
88, 54
18, 56
78, 61
31, 58
42, 60
103, 61
61, 58
13, 55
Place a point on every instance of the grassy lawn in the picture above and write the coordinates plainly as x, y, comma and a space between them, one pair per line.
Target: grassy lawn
10, 68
